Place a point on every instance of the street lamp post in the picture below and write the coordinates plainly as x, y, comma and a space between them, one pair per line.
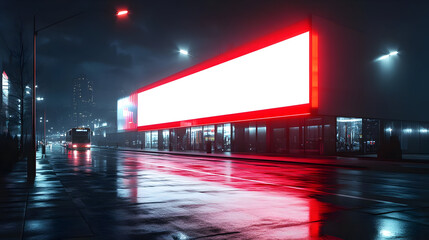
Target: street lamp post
38, 99
44, 128
31, 160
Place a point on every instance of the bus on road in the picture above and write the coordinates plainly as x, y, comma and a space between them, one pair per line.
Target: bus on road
78, 138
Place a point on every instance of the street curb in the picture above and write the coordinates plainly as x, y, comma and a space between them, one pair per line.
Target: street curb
238, 158
375, 165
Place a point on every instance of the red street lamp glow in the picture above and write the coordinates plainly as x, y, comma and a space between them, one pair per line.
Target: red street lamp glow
122, 13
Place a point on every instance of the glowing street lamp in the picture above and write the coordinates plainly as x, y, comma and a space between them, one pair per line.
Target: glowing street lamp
393, 53
184, 52
122, 13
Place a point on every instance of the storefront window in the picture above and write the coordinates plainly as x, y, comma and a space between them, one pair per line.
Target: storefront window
349, 134
197, 138
227, 137
392, 128
371, 135
250, 137
413, 136
410, 137
147, 140
295, 145
173, 140
329, 133
219, 138
424, 138
154, 139
279, 140
261, 137
182, 139
209, 135
313, 136
166, 138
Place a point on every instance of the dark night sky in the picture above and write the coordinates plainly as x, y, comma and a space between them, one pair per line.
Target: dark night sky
121, 55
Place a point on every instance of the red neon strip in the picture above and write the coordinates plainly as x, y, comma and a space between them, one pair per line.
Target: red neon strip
314, 58
297, 110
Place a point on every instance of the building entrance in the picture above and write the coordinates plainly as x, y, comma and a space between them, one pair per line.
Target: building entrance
349, 134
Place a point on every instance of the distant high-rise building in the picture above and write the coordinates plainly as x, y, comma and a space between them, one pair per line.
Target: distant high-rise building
83, 100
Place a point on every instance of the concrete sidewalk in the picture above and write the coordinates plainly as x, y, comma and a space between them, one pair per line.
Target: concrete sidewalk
13, 202
44, 209
410, 163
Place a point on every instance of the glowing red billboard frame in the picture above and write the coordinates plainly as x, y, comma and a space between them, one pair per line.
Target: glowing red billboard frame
279, 36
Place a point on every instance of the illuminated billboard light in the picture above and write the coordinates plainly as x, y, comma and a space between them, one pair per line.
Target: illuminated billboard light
267, 82
127, 113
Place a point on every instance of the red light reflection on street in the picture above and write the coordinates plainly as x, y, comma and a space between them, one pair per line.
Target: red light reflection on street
79, 158
246, 189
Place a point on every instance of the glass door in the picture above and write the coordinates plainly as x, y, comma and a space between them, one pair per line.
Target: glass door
349, 134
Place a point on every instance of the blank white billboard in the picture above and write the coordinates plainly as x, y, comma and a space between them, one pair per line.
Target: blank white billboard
272, 77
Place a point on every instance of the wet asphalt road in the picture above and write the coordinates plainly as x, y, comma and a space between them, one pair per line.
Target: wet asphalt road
109, 194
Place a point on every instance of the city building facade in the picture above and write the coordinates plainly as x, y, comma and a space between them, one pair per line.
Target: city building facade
10, 113
313, 87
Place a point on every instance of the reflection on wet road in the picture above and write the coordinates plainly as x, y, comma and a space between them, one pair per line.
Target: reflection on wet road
124, 195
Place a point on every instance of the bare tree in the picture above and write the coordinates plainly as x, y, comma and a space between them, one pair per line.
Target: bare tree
17, 68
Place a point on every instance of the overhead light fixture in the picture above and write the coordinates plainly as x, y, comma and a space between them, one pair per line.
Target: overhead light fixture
122, 13
393, 53
184, 52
